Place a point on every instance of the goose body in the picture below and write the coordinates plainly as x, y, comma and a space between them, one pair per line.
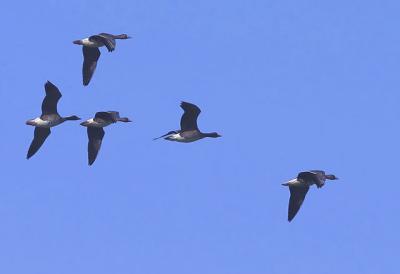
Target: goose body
49, 118
189, 131
300, 185
97, 123
91, 52
185, 137
39, 122
87, 42
96, 132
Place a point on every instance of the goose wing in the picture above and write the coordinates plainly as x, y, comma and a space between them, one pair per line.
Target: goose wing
315, 176
95, 136
189, 117
111, 116
105, 38
297, 196
40, 135
114, 115
90, 58
49, 104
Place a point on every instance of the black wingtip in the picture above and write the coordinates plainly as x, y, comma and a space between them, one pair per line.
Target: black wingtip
29, 155
91, 161
185, 103
48, 83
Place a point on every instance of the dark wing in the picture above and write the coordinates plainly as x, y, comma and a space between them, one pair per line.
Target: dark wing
297, 195
189, 117
39, 137
95, 138
319, 173
105, 38
90, 57
315, 176
114, 115
111, 116
49, 104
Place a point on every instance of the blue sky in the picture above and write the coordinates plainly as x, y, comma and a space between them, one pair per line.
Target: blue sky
290, 85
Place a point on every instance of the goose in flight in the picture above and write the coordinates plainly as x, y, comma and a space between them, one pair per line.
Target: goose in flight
49, 118
95, 130
189, 131
91, 52
299, 187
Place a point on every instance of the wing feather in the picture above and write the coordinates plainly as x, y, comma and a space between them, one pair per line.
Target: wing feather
90, 58
297, 196
40, 135
95, 136
53, 94
106, 39
189, 117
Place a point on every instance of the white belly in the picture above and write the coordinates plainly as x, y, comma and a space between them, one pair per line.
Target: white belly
178, 138
46, 124
92, 44
295, 182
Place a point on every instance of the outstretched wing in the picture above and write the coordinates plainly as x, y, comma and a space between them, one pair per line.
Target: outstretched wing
39, 137
189, 117
105, 38
90, 57
95, 136
297, 196
49, 104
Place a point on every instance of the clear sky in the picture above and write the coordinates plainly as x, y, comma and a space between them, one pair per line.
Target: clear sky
291, 85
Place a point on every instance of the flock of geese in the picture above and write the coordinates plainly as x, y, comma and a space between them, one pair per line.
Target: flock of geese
189, 131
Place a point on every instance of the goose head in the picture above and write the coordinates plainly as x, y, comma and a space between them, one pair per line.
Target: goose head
212, 135
122, 36
72, 118
331, 177
125, 120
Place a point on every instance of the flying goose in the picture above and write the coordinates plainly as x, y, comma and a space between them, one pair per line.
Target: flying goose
189, 131
299, 187
91, 52
49, 118
95, 130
